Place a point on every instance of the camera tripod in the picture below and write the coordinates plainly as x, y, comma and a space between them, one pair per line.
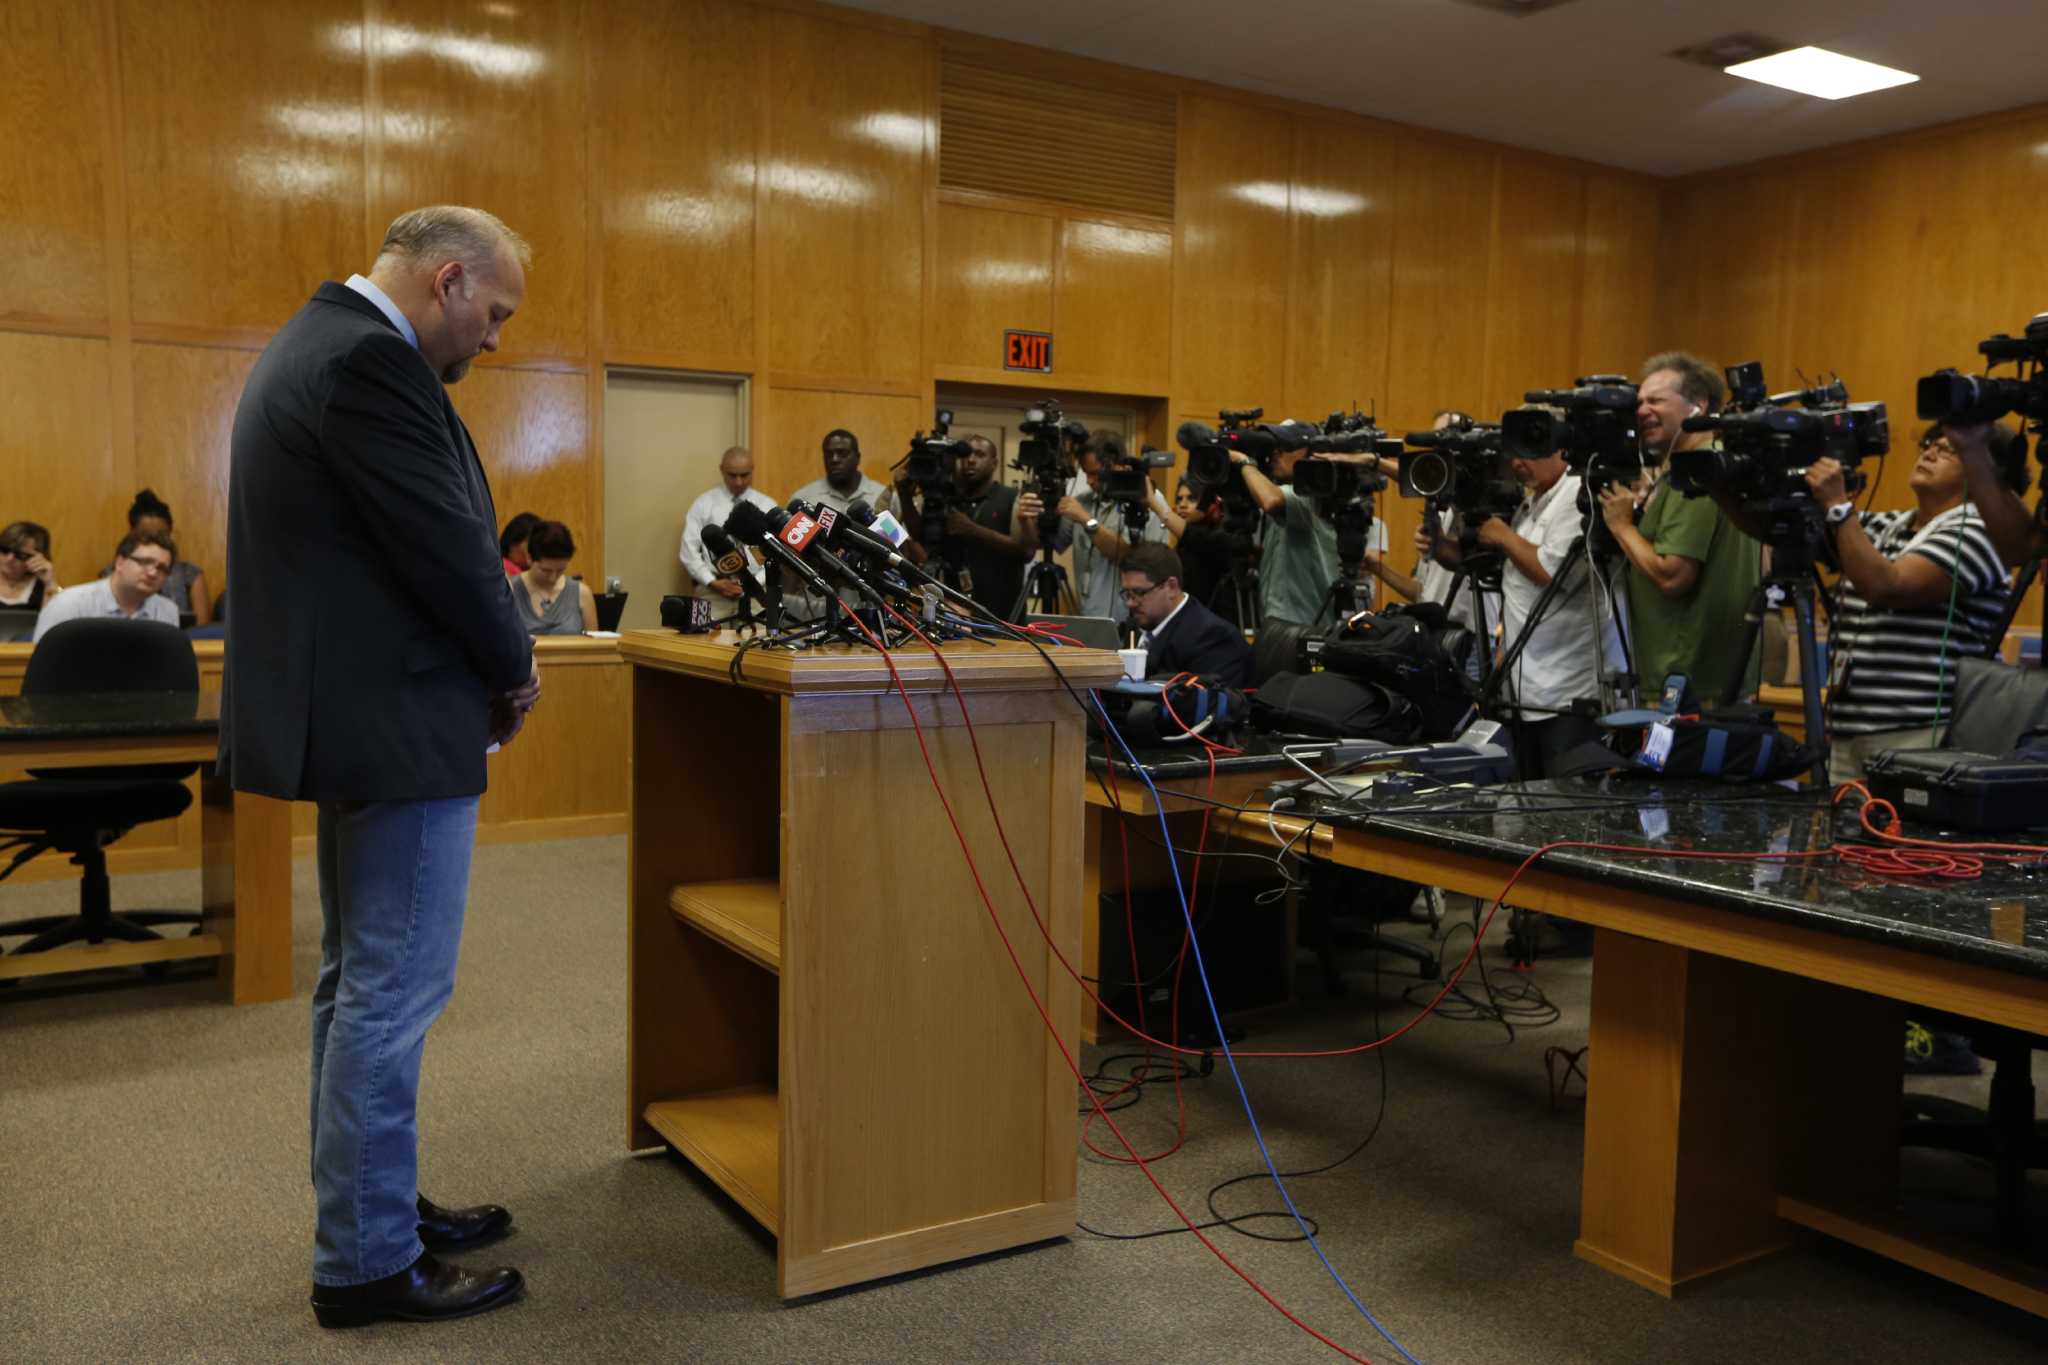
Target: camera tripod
1046, 591
1794, 538
1598, 567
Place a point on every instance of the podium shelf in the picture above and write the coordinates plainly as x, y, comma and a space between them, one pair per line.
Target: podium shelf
744, 915
733, 1136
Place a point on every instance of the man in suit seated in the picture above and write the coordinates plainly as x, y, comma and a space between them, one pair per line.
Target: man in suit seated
1181, 635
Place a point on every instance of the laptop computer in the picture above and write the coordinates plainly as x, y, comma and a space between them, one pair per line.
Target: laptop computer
17, 624
1096, 632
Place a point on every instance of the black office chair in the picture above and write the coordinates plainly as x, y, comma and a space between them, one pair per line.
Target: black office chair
79, 811
1997, 706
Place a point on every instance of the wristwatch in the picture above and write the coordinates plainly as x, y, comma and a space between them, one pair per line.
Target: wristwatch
1840, 513
1091, 524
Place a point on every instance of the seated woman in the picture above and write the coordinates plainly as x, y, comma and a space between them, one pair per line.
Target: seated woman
27, 578
185, 584
549, 601
512, 543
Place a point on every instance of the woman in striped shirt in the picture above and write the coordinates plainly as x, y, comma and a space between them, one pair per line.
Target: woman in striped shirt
1921, 587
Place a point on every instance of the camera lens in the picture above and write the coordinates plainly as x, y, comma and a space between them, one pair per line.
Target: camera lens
1428, 473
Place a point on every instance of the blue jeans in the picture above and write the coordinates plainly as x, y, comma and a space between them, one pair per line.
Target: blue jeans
394, 879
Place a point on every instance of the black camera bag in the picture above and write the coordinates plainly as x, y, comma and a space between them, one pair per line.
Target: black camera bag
1330, 704
1404, 650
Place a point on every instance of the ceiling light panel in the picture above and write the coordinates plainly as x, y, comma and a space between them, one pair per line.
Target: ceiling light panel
1821, 73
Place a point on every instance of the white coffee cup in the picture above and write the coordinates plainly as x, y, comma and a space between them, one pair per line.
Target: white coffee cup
1134, 663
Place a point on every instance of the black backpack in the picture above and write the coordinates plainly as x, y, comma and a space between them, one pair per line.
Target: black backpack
1330, 704
1410, 651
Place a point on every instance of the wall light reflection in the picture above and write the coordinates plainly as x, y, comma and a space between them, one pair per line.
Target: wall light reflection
674, 212
1007, 274
1103, 238
818, 184
904, 132
269, 175
487, 57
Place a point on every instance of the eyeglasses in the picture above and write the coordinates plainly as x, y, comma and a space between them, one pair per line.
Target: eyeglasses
23, 555
1140, 594
151, 565
1940, 443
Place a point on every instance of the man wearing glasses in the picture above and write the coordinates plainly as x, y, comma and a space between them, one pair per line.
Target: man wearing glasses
129, 592
1181, 635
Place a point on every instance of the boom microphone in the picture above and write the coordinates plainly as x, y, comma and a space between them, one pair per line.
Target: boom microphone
749, 525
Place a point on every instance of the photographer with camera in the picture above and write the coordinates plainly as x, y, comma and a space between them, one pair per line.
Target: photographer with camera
1557, 657
1433, 579
1922, 586
1105, 526
1298, 561
1691, 572
990, 530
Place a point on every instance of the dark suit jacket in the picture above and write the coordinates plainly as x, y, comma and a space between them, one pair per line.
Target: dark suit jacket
1197, 640
372, 620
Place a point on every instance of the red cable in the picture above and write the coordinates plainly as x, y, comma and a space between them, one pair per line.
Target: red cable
931, 770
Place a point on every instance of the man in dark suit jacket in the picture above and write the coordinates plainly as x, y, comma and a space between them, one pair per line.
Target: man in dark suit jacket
374, 656
1181, 635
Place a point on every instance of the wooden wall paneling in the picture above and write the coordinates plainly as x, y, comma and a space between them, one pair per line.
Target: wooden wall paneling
994, 271
1114, 306
1725, 270
56, 448
1533, 293
53, 129
185, 399
483, 104
531, 432
675, 108
796, 420
568, 766
844, 189
245, 192
1230, 282
1443, 231
1619, 266
1342, 284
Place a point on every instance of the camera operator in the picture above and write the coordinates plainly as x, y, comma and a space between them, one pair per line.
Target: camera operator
1994, 460
990, 530
1921, 587
1180, 634
1558, 664
1200, 541
1432, 580
1103, 539
1299, 560
1691, 572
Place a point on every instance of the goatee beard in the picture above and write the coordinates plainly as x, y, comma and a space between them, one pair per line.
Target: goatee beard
453, 374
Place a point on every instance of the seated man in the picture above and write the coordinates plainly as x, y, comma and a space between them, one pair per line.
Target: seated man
1181, 635
130, 591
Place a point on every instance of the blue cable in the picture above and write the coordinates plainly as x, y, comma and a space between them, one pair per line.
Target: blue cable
1202, 973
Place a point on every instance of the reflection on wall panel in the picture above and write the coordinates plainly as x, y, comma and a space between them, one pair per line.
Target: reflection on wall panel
1533, 294
185, 398
994, 272
844, 200
1231, 288
483, 105
52, 177
244, 192
1115, 306
676, 91
1443, 230
1619, 266
533, 436
794, 423
56, 454
1004, 131
1343, 267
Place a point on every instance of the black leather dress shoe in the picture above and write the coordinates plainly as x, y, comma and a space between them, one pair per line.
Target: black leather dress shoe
460, 1229
426, 1291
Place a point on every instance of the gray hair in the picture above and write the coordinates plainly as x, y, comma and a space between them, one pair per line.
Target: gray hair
1700, 382
451, 232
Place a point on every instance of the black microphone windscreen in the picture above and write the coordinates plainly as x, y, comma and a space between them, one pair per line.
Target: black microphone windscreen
717, 541
859, 510
747, 522
1194, 436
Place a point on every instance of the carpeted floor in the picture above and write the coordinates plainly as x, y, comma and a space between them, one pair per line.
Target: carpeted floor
154, 1202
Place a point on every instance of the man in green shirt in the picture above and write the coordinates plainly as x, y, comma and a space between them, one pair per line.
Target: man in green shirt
1690, 571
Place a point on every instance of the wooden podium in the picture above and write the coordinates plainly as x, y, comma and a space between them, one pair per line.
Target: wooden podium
820, 1014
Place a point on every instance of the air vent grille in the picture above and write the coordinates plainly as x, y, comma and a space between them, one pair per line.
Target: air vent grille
1729, 49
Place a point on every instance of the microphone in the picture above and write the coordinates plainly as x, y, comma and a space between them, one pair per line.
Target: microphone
730, 561
881, 523
796, 532
844, 531
751, 526
1194, 436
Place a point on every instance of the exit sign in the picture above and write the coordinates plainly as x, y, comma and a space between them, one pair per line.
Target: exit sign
1027, 351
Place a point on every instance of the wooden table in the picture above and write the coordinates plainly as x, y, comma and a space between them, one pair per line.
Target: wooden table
1746, 1068
245, 870
811, 972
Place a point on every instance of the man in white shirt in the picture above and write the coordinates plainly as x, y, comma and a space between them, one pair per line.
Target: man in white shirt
843, 481
128, 592
736, 475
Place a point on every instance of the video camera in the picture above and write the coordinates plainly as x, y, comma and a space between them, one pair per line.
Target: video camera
1463, 467
1592, 424
1047, 458
1967, 399
928, 469
1237, 430
1332, 483
1767, 440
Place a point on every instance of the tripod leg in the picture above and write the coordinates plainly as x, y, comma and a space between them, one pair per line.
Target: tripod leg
1809, 680
1752, 626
